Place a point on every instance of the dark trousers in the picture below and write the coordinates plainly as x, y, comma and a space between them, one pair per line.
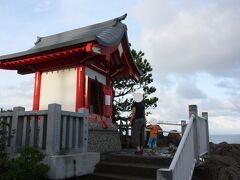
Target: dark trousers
138, 132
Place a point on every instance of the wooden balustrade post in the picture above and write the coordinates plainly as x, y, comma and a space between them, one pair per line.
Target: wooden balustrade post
205, 115
17, 137
194, 111
183, 126
84, 131
53, 129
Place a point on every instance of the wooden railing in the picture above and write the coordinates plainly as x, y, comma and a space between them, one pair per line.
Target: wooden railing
53, 131
203, 134
194, 143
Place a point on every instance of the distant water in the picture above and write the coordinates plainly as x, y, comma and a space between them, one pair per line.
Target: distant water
230, 139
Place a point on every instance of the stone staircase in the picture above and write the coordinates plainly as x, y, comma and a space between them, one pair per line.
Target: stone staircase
118, 166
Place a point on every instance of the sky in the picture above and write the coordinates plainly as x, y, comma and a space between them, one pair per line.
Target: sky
193, 47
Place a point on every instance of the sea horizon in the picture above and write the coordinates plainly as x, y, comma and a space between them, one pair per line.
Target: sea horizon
229, 138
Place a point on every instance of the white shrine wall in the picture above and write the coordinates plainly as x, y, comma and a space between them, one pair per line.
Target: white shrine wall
59, 87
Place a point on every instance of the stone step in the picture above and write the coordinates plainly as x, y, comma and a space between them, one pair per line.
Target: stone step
110, 176
125, 165
139, 159
131, 169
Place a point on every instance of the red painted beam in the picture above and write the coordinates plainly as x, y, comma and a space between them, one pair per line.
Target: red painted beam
37, 90
47, 56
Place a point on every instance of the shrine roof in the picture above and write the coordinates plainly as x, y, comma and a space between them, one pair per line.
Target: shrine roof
103, 46
108, 33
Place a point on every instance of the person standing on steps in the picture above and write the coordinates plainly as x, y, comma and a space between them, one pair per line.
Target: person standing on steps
138, 122
152, 141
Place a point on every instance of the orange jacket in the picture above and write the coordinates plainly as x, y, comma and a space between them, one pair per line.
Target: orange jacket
153, 130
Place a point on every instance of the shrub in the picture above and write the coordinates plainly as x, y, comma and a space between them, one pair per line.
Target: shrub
4, 162
4, 137
28, 166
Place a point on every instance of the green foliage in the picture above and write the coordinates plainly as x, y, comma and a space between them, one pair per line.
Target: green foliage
27, 166
2, 110
4, 162
123, 89
5, 136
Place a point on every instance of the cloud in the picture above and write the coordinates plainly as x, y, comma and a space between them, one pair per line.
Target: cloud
90, 12
193, 47
191, 37
223, 115
42, 6
16, 90
223, 126
21, 23
189, 90
231, 86
174, 100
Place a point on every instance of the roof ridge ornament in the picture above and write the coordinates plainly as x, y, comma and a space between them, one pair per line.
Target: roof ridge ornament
38, 40
119, 19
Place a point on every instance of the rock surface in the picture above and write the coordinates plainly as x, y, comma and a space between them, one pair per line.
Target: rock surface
223, 163
173, 137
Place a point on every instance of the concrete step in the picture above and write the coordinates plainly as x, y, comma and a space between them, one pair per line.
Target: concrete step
110, 176
139, 159
131, 169
128, 166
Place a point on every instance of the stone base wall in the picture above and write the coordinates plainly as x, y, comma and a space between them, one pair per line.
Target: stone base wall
103, 140
72, 165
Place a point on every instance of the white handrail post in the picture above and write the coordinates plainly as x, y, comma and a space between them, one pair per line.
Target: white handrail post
205, 115
15, 126
194, 111
183, 126
53, 129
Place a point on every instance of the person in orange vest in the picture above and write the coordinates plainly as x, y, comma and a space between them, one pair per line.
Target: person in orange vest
152, 141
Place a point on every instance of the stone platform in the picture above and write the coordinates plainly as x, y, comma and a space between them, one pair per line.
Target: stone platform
71, 165
103, 139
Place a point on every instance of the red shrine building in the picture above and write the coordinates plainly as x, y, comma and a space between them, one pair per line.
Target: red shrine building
76, 68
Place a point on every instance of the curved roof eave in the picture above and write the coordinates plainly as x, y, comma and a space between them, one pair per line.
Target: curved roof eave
140, 73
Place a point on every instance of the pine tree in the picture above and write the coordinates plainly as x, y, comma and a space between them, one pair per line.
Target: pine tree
123, 90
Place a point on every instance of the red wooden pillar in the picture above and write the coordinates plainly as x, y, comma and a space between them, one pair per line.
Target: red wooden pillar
107, 102
86, 94
80, 87
37, 89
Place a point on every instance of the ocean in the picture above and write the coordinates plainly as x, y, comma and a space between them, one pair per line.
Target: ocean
229, 138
